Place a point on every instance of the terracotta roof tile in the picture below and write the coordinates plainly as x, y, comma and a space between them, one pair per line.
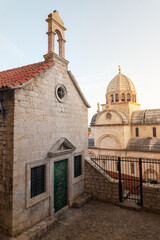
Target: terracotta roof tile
17, 76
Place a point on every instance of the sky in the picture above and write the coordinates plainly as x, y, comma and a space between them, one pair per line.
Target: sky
101, 34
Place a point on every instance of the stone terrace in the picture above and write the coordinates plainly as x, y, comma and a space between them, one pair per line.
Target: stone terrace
99, 220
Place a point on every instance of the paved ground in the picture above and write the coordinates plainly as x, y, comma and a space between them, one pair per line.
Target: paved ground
99, 220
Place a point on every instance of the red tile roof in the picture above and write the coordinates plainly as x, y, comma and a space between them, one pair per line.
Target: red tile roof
17, 76
130, 183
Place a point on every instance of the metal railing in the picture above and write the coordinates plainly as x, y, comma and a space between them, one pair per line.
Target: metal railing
132, 173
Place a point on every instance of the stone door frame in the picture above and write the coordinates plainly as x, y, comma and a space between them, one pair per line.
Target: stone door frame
68, 157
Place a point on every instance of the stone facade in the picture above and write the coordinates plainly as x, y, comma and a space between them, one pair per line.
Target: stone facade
99, 185
40, 129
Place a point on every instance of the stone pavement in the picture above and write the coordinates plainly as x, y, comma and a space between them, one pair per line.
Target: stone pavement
99, 220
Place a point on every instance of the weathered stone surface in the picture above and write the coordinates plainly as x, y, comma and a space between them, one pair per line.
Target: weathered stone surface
99, 186
151, 197
38, 120
6, 160
81, 200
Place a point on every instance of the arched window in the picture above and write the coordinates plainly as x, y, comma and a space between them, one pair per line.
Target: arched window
128, 97
137, 132
154, 132
132, 168
117, 97
123, 97
112, 98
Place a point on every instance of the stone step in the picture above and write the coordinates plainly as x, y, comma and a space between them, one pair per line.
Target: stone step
81, 200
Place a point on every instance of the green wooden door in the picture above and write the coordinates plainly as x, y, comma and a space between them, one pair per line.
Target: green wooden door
60, 184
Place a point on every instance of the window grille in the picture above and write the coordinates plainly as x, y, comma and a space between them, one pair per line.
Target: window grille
77, 166
38, 180
154, 132
137, 132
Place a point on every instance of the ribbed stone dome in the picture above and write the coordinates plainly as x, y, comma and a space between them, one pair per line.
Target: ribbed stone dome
120, 83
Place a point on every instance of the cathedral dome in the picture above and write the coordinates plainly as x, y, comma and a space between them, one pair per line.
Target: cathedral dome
120, 89
120, 83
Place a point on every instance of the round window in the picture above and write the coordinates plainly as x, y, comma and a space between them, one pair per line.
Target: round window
109, 115
61, 93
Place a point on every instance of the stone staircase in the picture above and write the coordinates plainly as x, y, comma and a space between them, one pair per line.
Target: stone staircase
81, 200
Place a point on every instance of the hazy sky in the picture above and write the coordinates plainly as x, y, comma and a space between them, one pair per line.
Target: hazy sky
101, 34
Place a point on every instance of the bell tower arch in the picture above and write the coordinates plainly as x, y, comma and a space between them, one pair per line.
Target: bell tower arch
55, 26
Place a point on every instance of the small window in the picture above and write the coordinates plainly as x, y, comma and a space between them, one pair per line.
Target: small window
132, 168
137, 132
77, 166
117, 97
61, 93
37, 180
123, 97
112, 98
128, 97
154, 132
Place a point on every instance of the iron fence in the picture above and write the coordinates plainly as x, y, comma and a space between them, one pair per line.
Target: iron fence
132, 173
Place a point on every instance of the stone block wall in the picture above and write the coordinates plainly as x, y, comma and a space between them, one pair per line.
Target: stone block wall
151, 197
99, 185
6, 160
40, 120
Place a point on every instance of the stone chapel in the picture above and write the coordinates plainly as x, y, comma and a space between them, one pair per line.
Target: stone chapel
43, 137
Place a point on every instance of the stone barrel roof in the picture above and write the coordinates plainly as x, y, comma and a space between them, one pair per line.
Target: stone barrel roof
144, 144
93, 120
149, 116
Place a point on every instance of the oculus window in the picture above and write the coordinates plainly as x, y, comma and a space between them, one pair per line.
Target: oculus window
61, 93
